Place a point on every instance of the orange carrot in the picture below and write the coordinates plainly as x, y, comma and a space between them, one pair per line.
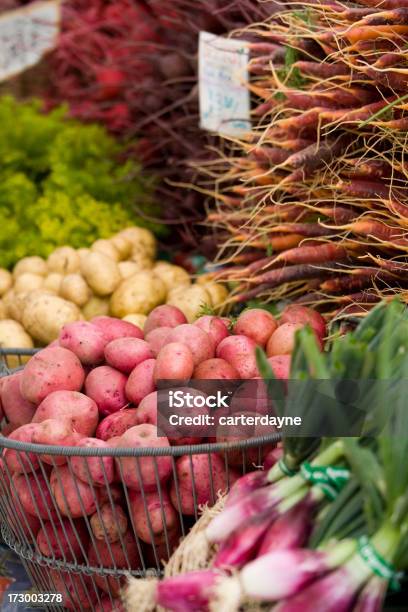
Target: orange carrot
368, 32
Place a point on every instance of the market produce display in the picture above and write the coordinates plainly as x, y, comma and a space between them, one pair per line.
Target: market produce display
312, 207
323, 527
62, 183
118, 276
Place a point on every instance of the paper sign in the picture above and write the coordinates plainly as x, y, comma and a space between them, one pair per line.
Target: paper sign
223, 74
26, 35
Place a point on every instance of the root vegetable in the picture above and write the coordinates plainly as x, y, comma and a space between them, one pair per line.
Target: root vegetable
52, 369
73, 497
282, 341
54, 432
153, 516
96, 471
16, 461
171, 275
141, 382
33, 265
128, 268
239, 351
141, 471
281, 366
81, 411
117, 423
125, 354
53, 282
218, 293
85, 340
256, 323
28, 282
63, 540
64, 260
117, 556
215, 327
74, 289
101, 273
175, 361
190, 300
137, 319
106, 386
197, 340
6, 281
164, 316
44, 316
122, 245
35, 496
76, 589
109, 523
18, 410
215, 369
13, 335
140, 237
147, 410
114, 328
304, 315
157, 338
139, 293
106, 247
96, 307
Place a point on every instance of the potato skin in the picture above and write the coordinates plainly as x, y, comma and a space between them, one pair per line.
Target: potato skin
111, 523
106, 386
70, 493
64, 260
84, 339
106, 247
63, 540
115, 328
34, 495
34, 265
164, 316
52, 369
282, 341
117, 423
215, 369
45, 314
154, 509
256, 323
197, 340
28, 282
136, 319
125, 354
101, 273
189, 300
21, 462
171, 275
141, 382
13, 335
18, 410
73, 587
215, 327
111, 557
6, 281
239, 351
81, 410
96, 307
138, 293
91, 469
74, 289
55, 432
175, 361
157, 338
147, 410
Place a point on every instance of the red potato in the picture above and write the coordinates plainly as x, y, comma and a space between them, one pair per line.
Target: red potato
52, 369
55, 432
116, 328
280, 366
16, 461
215, 327
114, 556
193, 474
147, 410
215, 369
197, 340
157, 338
109, 523
21, 521
143, 436
63, 540
17, 409
239, 351
174, 362
99, 471
76, 589
153, 517
162, 553
164, 316
141, 382
73, 497
125, 354
282, 341
301, 314
109, 495
186, 441
35, 496
117, 423
106, 386
84, 339
7, 429
76, 407
256, 323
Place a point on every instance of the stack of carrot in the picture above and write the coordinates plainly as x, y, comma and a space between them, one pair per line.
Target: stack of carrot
313, 206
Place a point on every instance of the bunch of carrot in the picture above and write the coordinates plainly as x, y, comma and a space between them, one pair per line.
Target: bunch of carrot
313, 205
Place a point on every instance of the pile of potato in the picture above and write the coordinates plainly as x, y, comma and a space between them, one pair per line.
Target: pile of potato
118, 277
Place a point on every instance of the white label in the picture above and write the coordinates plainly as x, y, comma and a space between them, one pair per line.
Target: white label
26, 35
223, 75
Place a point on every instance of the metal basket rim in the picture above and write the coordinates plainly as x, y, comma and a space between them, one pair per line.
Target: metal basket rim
147, 451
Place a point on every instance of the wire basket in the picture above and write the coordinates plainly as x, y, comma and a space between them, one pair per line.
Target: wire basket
80, 538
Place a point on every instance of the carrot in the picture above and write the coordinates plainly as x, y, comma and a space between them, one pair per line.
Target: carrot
305, 229
354, 114
386, 4
358, 278
315, 155
371, 168
273, 155
307, 119
340, 214
393, 80
322, 70
368, 32
312, 254
398, 15
277, 243
364, 189
379, 230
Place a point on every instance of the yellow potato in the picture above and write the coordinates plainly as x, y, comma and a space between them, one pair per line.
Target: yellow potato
101, 273
96, 307
171, 275
64, 260
136, 319
13, 335
35, 265
44, 315
140, 238
190, 300
28, 282
139, 293
3, 310
74, 289
53, 282
15, 304
218, 291
106, 247
128, 268
123, 245
6, 281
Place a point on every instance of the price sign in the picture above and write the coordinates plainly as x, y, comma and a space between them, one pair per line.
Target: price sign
223, 74
26, 35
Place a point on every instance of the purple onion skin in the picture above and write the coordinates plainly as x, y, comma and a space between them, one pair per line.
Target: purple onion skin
246, 484
372, 596
335, 592
290, 530
189, 592
241, 546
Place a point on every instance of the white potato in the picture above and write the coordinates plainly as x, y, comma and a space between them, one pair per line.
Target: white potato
13, 335
6, 281
140, 238
106, 247
3, 310
122, 244
190, 300
44, 316
28, 282
53, 281
136, 319
128, 268
15, 304
34, 264
218, 291
96, 307
64, 260
139, 293
101, 273
74, 289
171, 275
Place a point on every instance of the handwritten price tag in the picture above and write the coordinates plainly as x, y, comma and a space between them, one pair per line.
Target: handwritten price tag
223, 74
26, 35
